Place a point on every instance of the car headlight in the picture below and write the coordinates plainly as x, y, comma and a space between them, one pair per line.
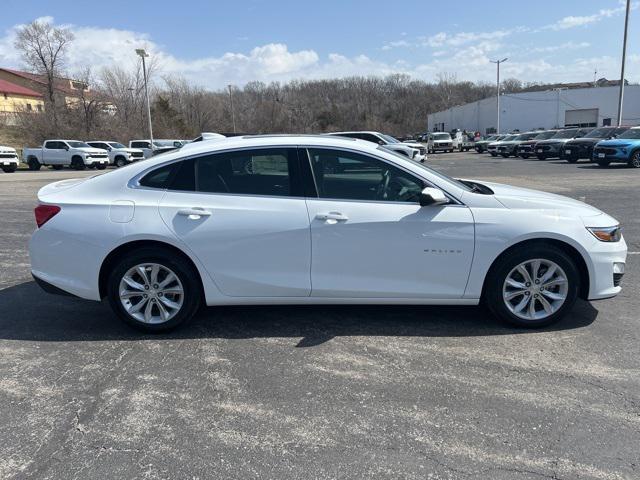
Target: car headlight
607, 234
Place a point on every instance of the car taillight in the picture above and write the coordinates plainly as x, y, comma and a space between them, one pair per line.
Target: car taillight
44, 213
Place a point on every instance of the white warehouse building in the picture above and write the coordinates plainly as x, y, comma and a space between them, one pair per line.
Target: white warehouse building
584, 107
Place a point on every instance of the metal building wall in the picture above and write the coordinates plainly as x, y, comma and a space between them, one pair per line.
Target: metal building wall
527, 111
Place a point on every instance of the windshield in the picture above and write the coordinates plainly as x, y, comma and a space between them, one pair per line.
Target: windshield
632, 134
545, 135
77, 144
441, 136
566, 133
457, 183
389, 138
116, 145
600, 133
508, 138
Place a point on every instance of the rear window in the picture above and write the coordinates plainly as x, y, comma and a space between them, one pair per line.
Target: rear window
158, 178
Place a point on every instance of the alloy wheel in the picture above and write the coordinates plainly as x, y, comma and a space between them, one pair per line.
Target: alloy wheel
151, 293
535, 289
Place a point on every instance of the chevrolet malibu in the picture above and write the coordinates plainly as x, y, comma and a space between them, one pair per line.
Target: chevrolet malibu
271, 220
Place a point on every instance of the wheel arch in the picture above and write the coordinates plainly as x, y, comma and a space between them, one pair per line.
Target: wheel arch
110, 260
566, 247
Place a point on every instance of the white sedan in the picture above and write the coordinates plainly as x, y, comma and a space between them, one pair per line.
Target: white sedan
311, 220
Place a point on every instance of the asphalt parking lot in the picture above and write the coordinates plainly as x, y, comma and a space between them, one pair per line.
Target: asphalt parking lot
323, 392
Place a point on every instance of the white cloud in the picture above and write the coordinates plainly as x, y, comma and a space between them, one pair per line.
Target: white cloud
564, 46
462, 38
396, 44
579, 21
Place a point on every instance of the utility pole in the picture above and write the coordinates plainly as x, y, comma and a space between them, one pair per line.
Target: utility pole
143, 54
498, 62
624, 57
233, 115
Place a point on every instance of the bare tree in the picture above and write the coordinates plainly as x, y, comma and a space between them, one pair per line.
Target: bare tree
43, 48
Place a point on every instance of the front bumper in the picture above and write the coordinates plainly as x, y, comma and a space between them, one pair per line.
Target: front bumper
441, 147
96, 161
9, 162
550, 150
577, 151
606, 261
611, 154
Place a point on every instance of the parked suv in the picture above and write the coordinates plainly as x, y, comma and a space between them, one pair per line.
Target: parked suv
510, 147
8, 159
415, 151
579, 148
119, 155
528, 148
492, 148
624, 149
553, 148
481, 145
58, 153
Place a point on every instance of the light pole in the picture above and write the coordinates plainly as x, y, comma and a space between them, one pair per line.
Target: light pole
142, 53
624, 55
233, 115
498, 62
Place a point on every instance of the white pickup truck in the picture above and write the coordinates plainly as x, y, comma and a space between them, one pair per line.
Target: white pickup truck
8, 159
461, 141
119, 155
58, 153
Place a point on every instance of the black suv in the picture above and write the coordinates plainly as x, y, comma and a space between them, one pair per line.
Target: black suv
553, 148
578, 148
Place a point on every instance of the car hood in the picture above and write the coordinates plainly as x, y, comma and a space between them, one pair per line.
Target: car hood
127, 150
583, 141
413, 144
554, 141
90, 150
4, 149
398, 146
519, 198
619, 142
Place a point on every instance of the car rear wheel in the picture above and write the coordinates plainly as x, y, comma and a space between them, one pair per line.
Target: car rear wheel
634, 162
154, 290
532, 287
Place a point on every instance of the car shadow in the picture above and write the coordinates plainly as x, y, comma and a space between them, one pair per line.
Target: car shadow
29, 314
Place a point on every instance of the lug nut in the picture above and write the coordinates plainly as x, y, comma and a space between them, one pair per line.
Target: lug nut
155, 286
528, 284
146, 287
145, 296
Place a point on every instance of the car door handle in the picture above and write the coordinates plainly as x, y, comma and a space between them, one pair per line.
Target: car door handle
337, 216
194, 212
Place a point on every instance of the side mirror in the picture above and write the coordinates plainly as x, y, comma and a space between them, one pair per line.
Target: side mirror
380, 142
432, 196
66, 147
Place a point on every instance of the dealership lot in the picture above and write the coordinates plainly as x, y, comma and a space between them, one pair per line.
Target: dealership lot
322, 392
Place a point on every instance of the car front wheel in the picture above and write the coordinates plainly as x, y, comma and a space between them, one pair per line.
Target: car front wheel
634, 162
154, 290
532, 288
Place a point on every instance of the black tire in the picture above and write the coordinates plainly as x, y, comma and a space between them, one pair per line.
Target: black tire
34, 164
56, 167
541, 156
77, 163
504, 155
493, 154
603, 163
508, 261
634, 161
120, 162
101, 166
524, 155
572, 158
186, 273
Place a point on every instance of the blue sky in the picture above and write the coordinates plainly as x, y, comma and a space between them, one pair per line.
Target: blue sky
215, 43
